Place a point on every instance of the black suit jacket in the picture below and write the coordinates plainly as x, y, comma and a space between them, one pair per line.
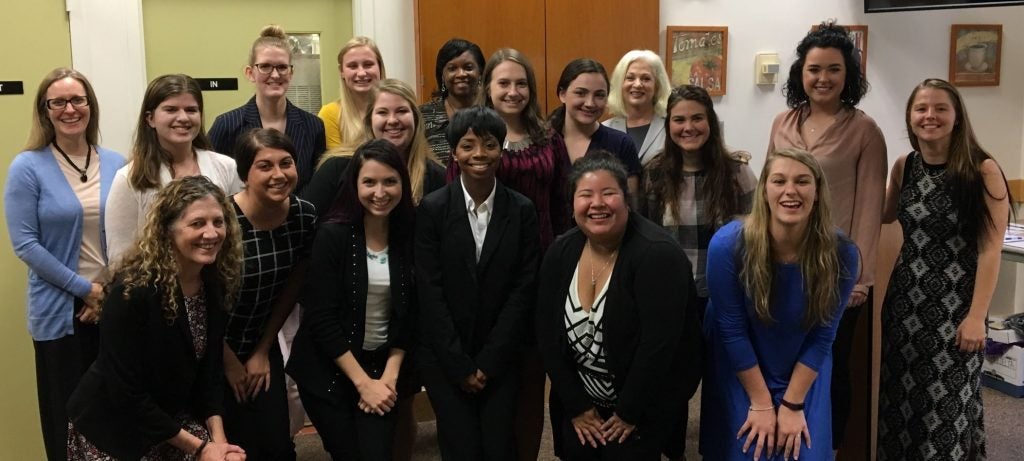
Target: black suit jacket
474, 314
651, 332
334, 306
147, 372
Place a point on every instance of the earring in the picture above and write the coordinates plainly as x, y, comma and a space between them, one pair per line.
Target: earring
443, 89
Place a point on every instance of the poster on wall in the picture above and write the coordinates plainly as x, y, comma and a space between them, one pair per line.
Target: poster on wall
698, 55
859, 36
882, 6
974, 54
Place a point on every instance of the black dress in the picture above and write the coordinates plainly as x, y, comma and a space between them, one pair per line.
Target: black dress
930, 404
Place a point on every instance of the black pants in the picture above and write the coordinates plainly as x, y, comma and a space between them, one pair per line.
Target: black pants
60, 363
474, 427
347, 432
261, 425
842, 385
675, 446
637, 447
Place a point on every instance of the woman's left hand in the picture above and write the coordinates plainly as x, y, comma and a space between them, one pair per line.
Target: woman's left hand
615, 429
791, 426
970, 334
257, 368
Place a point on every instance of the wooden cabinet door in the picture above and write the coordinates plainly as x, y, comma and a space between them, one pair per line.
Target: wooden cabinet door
602, 30
549, 32
490, 24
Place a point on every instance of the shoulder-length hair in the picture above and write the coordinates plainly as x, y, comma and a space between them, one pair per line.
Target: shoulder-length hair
147, 153
43, 131
152, 261
450, 50
348, 209
574, 69
271, 36
662, 87
349, 121
818, 256
965, 183
828, 35
419, 151
721, 190
531, 116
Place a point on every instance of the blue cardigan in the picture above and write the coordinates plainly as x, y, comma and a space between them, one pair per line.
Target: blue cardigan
44, 220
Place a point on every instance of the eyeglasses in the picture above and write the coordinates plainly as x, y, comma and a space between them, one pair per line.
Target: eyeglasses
282, 69
59, 103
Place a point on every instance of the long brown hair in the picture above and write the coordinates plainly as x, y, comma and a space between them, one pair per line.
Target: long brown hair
818, 256
966, 186
151, 261
530, 116
147, 153
664, 174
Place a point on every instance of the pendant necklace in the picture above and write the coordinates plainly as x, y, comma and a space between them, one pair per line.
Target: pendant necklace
594, 276
81, 171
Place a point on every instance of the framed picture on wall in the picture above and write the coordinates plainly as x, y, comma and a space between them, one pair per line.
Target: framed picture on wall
698, 55
883, 6
859, 35
975, 51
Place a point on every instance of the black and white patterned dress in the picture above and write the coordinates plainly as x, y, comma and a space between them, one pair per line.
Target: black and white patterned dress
930, 404
585, 332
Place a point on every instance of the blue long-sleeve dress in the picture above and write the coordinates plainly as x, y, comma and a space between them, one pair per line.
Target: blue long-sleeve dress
739, 341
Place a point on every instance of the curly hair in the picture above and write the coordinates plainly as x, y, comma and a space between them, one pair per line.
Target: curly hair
152, 260
818, 257
828, 35
662, 86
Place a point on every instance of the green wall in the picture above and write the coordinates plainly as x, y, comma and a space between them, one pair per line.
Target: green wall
216, 43
220, 33
36, 38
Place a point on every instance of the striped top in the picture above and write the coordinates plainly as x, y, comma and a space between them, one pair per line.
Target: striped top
585, 332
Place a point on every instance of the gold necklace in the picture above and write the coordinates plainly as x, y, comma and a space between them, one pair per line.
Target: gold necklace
594, 276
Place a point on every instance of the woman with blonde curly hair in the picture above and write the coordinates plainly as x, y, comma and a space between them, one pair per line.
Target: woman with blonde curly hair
778, 282
156, 388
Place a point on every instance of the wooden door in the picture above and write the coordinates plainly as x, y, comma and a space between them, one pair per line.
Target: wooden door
602, 30
549, 32
491, 25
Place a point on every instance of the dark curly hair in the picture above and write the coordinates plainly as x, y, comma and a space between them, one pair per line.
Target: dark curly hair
828, 35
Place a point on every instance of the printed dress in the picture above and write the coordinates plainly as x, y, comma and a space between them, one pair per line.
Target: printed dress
930, 398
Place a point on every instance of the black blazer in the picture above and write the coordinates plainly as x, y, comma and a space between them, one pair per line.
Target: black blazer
334, 306
147, 373
474, 314
648, 314
305, 130
323, 189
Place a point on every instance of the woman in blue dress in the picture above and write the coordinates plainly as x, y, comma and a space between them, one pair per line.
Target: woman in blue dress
777, 281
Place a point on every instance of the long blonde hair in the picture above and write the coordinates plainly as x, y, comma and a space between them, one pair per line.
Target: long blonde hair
349, 122
818, 255
43, 132
151, 261
419, 151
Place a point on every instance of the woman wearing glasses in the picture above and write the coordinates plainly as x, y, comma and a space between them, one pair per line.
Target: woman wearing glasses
270, 70
53, 203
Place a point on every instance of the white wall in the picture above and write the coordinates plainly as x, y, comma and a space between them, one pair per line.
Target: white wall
903, 49
390, 23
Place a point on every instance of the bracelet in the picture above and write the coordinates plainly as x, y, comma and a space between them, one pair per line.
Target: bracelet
761, 409
200, 449
791, 405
